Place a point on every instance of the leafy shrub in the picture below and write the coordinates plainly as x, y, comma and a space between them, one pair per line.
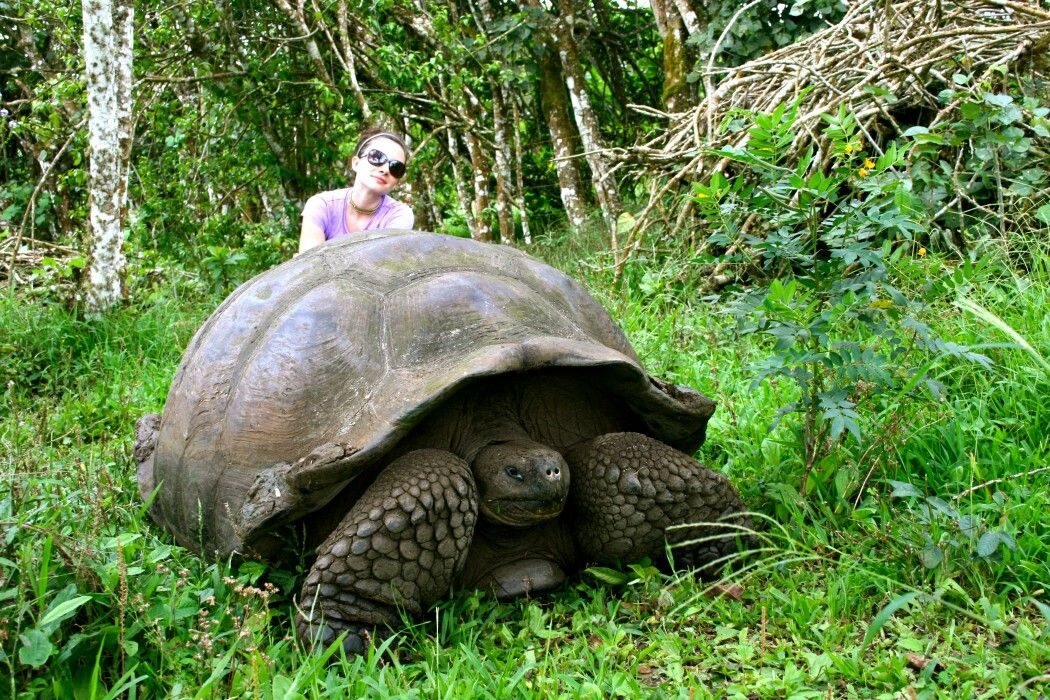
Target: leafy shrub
951, 531
823, 239
759, 28
981, 172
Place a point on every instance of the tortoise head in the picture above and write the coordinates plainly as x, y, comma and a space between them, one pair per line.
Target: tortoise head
520, 482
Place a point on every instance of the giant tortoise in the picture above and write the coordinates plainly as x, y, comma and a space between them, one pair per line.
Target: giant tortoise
424, 411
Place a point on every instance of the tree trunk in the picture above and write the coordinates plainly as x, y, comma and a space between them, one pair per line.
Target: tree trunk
349, 62
480, 230
484, 18
586, 122
526, 233
559, 123
504, 180
458, 174
688, 15
678, 94
108, 37
298, 18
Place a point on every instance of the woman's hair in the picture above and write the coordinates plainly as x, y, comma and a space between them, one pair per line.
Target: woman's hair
369, 135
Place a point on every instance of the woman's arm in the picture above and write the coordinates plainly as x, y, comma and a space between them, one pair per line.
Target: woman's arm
312, 232
310, 236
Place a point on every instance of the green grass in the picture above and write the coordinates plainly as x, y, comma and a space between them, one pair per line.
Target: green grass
847, 599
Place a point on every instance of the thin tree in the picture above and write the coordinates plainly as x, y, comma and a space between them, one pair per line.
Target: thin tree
584, 116
676, 20
108, 37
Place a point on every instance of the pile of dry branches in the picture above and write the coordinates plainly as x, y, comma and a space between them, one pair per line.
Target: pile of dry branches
20, 256
907, 49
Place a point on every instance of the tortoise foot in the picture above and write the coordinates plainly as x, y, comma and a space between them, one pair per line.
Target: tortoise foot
397, 549
319, 627
632, 494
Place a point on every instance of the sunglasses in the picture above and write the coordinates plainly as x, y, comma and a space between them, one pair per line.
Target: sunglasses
376, 158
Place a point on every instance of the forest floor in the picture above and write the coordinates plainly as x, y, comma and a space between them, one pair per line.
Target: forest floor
916, 565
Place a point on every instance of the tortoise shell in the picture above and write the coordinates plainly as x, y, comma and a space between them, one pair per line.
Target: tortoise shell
311, 372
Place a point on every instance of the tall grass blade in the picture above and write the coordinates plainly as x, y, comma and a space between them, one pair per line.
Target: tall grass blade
63, 610
885, 614
992, 319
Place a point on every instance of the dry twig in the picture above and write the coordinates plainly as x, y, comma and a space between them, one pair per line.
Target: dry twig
904, 49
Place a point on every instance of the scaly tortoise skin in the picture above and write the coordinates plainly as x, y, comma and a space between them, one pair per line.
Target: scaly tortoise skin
426, 411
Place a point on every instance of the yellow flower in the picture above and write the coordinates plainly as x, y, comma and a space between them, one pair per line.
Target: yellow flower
869, 163
922, 252
863, 172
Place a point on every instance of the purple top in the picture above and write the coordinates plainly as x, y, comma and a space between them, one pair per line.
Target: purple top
327, 210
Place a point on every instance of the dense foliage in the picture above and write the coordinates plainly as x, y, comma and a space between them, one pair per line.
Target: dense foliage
880, 357
918, 560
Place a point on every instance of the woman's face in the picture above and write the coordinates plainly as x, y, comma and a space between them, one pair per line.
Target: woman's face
377, 177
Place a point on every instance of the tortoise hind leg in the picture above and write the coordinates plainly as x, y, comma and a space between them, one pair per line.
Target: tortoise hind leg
398, 547
629, 488
147, 431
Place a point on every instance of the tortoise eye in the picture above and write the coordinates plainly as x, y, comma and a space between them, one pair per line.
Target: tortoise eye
514, 473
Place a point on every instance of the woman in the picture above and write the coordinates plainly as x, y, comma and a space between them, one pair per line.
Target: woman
379, 165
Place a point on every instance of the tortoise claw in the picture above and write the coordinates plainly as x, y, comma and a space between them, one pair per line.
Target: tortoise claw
357, 639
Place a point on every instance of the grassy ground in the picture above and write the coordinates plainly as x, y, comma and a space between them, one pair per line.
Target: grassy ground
917, 565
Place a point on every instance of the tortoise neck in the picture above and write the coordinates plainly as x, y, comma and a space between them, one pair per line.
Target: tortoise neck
488, 415
485, 431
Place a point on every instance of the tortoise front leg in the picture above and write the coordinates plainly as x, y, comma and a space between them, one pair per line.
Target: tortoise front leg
629, 488
399, 546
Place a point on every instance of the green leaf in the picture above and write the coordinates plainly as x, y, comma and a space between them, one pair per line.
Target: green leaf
1043, 608
122, 540
539, 624
63, 610
998, 100
35, 649
942, 506
968, 525
625, 222
885, 614
1043, 214
902, 489
1020, 189
931, 556
988, 543
610, 576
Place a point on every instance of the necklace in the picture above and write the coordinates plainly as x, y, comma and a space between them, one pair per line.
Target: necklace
361, 210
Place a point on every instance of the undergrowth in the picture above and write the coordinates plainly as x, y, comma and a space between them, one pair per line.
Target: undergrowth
916, 563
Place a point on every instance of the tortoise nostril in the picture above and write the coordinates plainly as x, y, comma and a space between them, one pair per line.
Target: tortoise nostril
553, 473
